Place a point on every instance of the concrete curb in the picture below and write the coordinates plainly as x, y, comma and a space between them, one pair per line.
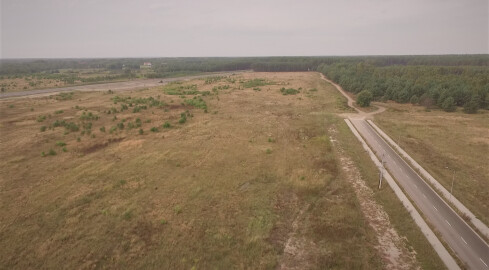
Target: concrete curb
449, 261
481, 227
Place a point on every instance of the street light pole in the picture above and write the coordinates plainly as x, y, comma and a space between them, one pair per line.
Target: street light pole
381, 171
453, 179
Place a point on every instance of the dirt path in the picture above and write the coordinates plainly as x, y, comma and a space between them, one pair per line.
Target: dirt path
392, 248
351, 103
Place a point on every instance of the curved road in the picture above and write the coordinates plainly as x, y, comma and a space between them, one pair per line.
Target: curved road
460, 237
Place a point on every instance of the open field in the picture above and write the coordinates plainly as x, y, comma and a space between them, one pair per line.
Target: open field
449, 146
211, 173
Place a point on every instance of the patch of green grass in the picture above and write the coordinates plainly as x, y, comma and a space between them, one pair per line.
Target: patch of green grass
256, 82
60, 143
58, 112
196, 102
177, 209
289, 91
41, 118
167, 125
88, 116
64, 96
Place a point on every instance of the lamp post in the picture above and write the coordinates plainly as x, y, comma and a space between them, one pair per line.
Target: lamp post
453, 179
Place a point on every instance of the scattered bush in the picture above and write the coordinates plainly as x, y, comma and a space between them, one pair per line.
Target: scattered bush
289, 91
60, 143
154, 129
43, 128
41, 118
167, 125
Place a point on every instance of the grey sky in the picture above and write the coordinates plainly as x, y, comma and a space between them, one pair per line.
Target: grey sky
130, 28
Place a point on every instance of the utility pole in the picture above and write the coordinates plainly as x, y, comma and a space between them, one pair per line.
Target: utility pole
381, 171
453, 178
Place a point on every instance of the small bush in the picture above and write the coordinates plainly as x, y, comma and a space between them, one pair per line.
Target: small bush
60, 143
52, 152
41, 118
167, 125
102, 129
59, 112
64, 149
43, 128
141, 132
154, 129
289, 91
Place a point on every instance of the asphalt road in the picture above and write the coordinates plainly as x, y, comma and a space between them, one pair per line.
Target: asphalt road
466, 243
115, 86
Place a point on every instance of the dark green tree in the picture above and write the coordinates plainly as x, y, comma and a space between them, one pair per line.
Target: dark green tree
448, 104
472, 106
364, 98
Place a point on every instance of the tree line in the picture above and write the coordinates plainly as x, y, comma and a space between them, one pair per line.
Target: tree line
441, 86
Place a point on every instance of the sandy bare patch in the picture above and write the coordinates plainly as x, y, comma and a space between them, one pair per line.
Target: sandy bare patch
392, 248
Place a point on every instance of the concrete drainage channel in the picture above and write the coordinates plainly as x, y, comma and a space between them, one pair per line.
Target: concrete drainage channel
429, 234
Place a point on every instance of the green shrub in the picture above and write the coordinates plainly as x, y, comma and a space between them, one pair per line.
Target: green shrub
196, 102
59, 112
41, 118
52, 152
141, 132
60, 143
364, 98
448, 104
289, 91
167, 125
43, 128
102, 129
154, 129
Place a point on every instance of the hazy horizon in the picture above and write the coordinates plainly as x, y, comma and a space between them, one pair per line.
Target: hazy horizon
154, 29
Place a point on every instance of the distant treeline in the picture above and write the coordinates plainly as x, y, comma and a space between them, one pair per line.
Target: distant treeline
445, 81
213, 64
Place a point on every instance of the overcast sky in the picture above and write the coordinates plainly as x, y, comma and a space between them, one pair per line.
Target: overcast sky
159, 28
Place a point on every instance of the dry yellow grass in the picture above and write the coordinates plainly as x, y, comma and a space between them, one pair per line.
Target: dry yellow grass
218, 191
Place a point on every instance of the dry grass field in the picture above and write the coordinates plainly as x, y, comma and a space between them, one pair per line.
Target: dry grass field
207, 174
448, 145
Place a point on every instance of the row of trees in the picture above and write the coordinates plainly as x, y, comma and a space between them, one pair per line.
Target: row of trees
442, 86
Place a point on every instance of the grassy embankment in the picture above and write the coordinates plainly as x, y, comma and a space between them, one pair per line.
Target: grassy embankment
449, 146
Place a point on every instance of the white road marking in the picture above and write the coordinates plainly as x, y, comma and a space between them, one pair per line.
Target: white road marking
416, 186
483, 262
463, 240
436, 210
448, 223
424, 196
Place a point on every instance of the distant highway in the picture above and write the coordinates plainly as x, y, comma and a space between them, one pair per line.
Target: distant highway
114, 86
460, 237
